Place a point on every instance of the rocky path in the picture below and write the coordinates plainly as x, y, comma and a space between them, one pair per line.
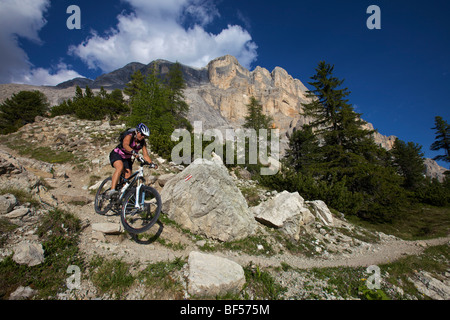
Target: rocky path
151, 251
379, 254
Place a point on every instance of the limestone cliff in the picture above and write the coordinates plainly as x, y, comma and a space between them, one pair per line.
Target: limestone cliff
231, 86
221, 102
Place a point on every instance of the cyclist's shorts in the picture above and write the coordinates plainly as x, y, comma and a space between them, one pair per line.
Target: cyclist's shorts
114, 156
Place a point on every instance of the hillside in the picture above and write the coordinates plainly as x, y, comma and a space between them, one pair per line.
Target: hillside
217, 96
301, 250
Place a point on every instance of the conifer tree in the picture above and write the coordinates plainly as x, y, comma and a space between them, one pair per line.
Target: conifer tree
303, 151
408, 159
133, 87
177, 105
442, 140
332, 117
21, 109
255, 118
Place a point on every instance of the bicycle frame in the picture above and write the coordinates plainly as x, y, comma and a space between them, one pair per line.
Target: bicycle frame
136, 177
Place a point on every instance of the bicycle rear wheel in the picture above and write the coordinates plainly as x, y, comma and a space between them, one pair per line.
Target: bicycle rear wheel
141, 217
102, 203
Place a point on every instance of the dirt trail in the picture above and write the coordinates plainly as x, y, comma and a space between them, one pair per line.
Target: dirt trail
382, 254
152, 251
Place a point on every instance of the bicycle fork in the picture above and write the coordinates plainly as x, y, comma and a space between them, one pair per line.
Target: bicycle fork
140, 198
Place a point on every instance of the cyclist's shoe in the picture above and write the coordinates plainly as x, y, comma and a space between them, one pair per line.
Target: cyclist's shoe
111, 194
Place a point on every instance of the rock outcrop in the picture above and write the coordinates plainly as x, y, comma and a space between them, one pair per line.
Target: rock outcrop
204, 199
433, 170
285, 211
230, 88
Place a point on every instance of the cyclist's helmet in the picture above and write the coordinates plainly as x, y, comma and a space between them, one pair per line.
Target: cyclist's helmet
142, 128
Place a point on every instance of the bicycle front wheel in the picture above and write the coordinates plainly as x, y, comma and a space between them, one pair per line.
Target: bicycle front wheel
140, 215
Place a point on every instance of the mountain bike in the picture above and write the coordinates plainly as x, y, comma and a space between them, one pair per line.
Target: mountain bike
139, 205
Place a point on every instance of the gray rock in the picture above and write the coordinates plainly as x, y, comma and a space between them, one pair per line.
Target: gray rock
17, 213
22, 293
30, 254
163, 179
321, 211
204, 199
210, 275
430, 286
107, 228
7, 203
285, 211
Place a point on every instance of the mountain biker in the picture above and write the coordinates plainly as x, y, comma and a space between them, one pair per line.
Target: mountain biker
121, 157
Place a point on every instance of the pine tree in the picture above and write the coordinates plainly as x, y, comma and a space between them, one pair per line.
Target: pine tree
78, 93
332, 117
151, 106
442, 139
408, 159
334, 159
133, 87
255, 118
177, 104
21, 109
303, 151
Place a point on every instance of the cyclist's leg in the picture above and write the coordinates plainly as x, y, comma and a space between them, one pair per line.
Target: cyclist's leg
118, 165
127, 166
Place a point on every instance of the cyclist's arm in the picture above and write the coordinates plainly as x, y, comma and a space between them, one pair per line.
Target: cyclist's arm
126, 144
145, 154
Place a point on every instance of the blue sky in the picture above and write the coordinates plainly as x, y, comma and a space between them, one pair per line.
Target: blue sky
398, 76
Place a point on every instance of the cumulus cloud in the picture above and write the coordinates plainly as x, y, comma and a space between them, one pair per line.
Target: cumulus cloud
25, 19
165, 29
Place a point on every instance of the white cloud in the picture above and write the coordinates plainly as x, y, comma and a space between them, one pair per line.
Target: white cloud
40, 76
166, 29
25, 18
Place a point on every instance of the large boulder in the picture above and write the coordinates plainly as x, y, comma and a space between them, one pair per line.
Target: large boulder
204, 199
286, 212
213, 276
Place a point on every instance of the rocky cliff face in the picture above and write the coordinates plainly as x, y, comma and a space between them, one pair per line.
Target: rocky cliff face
229, 90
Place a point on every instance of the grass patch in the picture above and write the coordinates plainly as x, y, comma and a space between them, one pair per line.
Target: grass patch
46, 154
251, 195
261, 285
416, 223
162, 280
5, 228
111, 276
58, 232
250, 245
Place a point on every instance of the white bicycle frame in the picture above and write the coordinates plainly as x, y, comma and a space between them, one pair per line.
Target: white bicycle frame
139, 178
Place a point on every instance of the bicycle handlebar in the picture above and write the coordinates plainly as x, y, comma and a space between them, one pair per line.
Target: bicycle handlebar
145, 163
